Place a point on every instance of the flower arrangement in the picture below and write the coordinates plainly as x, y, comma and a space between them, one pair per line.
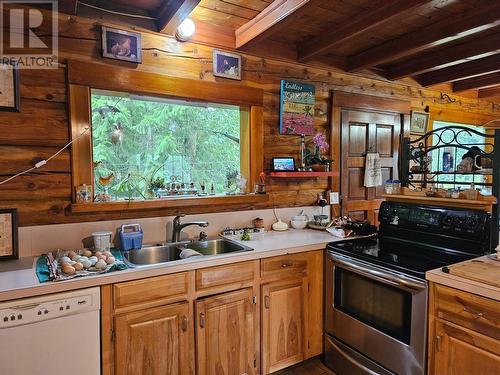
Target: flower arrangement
315, 156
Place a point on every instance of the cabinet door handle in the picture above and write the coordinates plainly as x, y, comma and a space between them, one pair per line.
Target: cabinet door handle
286, 265
202, 320
478, 314
438, 344
267, 302
184, 323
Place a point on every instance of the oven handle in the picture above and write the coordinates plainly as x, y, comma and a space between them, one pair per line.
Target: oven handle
384, 277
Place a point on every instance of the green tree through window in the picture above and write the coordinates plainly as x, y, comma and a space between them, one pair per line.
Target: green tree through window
140, 143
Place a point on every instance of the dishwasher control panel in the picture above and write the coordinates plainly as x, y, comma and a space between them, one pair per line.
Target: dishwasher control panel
44, 310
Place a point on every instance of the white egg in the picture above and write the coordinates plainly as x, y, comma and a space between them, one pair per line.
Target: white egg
82, 258
100, 265
64, 259
75, 257
86, 263
71, 262
93, 260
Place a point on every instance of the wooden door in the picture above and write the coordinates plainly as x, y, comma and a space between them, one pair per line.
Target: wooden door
364, 132
226, 334
156, 341
460, 351
284, 317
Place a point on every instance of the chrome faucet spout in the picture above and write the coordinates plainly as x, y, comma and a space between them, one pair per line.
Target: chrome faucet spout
178, 227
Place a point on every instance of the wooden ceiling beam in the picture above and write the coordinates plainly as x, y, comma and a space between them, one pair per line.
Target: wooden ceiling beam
479, 82
67, 6
381, 13
469, 69
488, 93
277, 16
482, 18
443, 57
172, 13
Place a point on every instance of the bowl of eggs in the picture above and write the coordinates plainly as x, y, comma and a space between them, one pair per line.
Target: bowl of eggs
85, 260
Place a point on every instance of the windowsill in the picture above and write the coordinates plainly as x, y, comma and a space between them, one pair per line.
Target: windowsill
152, 204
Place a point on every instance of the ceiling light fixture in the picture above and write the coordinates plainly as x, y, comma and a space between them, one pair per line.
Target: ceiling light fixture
185, 30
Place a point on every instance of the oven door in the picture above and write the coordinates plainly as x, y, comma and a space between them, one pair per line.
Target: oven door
379, 313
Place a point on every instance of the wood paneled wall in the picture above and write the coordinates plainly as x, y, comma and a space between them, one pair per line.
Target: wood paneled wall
42, 125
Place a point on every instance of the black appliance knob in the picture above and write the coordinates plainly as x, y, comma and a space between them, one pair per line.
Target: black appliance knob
394, 212
460, 221
472, 222
448, 220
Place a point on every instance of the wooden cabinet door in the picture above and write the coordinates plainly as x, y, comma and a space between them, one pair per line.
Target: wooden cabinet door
364, 132
226, 334
460, 351
156, 341
284, 324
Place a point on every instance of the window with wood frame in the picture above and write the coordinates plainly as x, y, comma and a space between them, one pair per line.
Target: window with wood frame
146, 147
142, 147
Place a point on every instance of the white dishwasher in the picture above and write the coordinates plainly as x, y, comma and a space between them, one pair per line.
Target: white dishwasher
57, 334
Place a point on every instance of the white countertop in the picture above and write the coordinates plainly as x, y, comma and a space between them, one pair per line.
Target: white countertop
23, 283
461, 283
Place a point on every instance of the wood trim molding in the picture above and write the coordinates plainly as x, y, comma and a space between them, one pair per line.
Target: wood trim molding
107, 77
81, 149
370, 102
100, 207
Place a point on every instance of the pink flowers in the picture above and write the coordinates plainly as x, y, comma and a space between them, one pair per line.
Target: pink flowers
320, 142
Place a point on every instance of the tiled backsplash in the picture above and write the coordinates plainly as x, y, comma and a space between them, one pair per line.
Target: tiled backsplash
40, 239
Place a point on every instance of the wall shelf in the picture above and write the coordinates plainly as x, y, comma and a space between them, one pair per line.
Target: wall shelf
303, 174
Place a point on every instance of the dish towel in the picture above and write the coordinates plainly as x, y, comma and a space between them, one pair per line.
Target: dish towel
188, 253
373, 172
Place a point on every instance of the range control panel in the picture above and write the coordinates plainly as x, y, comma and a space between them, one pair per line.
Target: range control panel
36, 312
456, 222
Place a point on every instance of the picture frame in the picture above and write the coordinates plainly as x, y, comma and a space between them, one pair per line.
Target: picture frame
283, 164
10, 97
121, 45
226, 65
419, 122
297, 106
9, 246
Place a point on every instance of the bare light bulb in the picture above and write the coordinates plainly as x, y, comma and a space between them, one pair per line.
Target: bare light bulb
185, 30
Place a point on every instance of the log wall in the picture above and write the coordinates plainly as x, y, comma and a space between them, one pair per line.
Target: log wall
42, 125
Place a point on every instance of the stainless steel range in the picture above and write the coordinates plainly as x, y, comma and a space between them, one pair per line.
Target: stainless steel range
376, 293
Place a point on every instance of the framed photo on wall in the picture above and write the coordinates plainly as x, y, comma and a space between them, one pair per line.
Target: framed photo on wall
8, 234
121, 45
226, 65
10, 98
419, 122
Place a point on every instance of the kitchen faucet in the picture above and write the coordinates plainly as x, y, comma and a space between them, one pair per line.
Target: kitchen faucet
177, 227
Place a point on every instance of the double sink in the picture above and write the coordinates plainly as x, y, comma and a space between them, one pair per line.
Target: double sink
169, 252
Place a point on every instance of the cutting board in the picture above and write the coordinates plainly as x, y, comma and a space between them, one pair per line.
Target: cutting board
484, 271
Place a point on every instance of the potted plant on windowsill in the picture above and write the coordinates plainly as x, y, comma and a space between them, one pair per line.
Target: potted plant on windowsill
315, 158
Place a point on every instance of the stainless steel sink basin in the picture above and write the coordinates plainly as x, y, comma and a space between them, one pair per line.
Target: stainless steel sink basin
165, 253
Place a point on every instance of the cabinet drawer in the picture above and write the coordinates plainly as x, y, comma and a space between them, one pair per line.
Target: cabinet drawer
284, 266
232, 275
161, 288
468, 310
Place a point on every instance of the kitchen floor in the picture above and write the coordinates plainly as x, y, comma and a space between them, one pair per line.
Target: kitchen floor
311, 367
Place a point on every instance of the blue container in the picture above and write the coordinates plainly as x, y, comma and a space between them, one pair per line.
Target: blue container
131, 236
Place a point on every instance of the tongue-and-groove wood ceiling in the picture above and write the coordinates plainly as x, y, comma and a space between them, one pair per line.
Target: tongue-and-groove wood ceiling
430, 41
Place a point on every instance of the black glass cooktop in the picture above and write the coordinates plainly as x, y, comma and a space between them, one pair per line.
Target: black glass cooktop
408, 258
